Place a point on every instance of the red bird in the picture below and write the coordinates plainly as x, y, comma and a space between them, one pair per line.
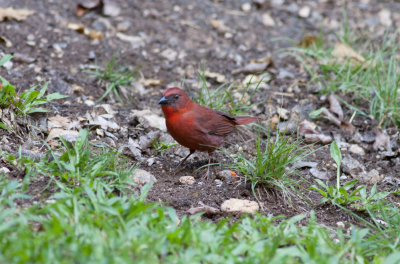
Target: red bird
194, 126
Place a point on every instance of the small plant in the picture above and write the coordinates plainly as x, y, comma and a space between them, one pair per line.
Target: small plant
272, 164
162, 146
338, 195
22, 104
222, 97
78, 165
116, 78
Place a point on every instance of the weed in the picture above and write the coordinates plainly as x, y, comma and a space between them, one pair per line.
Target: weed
342, 195
116, 78
28, 102
162, 146
222, 98
272, 163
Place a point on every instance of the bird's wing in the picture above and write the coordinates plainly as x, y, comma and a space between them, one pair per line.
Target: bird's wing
215, 122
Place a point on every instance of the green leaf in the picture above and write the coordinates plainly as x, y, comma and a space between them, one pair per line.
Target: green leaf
37, 110
4, 126
5, 59
315, 113
335, 153
55, 96
42, 91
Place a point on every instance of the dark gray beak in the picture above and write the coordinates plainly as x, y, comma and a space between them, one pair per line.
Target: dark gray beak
163, 100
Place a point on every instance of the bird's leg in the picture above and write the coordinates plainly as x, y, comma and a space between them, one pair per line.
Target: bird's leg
180, 163
208, 167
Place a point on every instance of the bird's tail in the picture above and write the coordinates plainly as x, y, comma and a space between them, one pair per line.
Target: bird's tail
243, 120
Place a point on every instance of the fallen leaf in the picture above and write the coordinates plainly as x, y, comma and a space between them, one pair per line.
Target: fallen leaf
69, 135
331, 117
317, 138
93, 34
382, 140
220, 26
58, 121
136, 41
343, 51
214, 75
255, 66
17, 14
335, 106
150, 82
203, 208
5, 41
307, 41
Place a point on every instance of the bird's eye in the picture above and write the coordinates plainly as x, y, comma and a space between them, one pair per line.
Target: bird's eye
176, 96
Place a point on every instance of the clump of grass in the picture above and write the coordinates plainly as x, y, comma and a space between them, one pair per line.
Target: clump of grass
222, 98
15, 105
272, 164
79, 164
115, 77
376, 81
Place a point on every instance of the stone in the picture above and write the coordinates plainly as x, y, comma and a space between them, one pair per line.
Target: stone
239, 206
226, 175
305, 11
4, 170
356, 149
371, 177
352, 166
142, 177
267, 20
152, 120
187, 180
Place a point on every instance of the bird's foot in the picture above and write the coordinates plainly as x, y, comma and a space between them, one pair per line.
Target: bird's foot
210, 176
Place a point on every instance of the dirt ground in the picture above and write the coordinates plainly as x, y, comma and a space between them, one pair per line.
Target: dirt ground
171, 41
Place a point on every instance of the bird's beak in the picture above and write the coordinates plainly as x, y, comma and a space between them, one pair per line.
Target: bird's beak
163, 100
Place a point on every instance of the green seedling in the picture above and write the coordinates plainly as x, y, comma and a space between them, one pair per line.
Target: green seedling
115, 77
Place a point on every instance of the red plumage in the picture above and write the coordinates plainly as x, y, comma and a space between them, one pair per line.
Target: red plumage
194, 126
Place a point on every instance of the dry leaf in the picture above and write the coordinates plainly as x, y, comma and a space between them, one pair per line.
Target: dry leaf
93, 34
220, 26
307, 41
273, 121
5, 41
150, 82
17, 14
343, 51
382, 140
58, 121
214, 75
203, 208
69, 135
135, 41
254, 66
335, 106
317, 138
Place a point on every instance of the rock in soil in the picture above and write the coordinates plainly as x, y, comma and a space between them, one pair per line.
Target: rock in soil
142, 177
187, 180
239, 206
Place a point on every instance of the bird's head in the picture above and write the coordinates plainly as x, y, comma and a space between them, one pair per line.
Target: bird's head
174, 100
